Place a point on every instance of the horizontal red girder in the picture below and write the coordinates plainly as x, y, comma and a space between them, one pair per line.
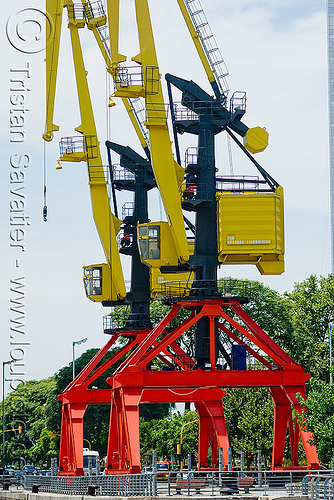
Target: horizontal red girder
181, 395
89, 396
103, 396
210, 378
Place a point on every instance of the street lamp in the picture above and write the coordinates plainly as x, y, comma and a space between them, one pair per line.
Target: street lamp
330, 354
180, 446
45, 415
76, 342
3, 411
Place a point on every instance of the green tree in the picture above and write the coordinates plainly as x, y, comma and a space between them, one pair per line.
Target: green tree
311, 310
28, 406
249, 415
163, 435
46, 447
318, 418
267, 307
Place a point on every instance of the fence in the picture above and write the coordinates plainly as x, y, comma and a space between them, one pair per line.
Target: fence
318, 485
110, 485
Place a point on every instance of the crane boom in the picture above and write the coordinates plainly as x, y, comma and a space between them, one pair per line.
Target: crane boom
163, 164
54, 8
168, 174
107, 226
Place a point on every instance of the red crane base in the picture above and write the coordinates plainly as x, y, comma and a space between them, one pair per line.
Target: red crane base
136, 381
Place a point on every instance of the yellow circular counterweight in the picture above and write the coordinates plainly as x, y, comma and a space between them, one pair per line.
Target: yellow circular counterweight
256, 139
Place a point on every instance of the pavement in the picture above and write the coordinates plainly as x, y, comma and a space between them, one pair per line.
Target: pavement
17, 494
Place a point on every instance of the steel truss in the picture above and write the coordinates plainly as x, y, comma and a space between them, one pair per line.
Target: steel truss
135, 382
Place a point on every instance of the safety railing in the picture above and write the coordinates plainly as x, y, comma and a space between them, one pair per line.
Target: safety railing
128, 75
238, 101
209, 44
94, 10
128, 209
227, 289
285, 483
191, 156
121, 174
112, 325
318, 486
75, 12
182, 113
216, 108
72, 144
239, 183
109, 485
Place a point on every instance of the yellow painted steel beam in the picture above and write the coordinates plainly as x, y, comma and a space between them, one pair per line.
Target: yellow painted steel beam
54, 9
162, 159
106, 223
113, 18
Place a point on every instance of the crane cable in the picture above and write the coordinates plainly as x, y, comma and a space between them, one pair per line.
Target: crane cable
45, 208
109, 177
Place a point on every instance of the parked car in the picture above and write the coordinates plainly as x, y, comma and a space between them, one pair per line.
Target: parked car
29, 469
43, 472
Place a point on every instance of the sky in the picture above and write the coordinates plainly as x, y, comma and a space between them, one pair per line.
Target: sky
276, 51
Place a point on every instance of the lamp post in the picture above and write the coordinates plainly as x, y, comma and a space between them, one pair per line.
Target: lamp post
180, 446
76, 342
330, 354
3, 411
45, 415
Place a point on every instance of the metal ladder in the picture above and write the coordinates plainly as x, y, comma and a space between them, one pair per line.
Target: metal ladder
209, 43
139, 111
104, 35
94, 10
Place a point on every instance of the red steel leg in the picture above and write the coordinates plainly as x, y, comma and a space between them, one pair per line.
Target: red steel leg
71, 442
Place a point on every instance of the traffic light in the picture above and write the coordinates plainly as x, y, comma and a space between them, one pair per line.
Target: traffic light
20, 429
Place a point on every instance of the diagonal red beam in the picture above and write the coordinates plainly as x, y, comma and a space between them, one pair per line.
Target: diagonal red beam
180, 352
170, 355
150, 338
257, 341
107, 364
177, 361
240, 342
261, 335
92, 363
171, 337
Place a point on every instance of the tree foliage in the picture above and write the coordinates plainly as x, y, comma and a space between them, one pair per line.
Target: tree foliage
311, 310
29, 406
163, 435
318, 418
249, 420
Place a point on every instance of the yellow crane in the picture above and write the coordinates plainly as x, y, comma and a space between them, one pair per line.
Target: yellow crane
162, 244
85, 148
